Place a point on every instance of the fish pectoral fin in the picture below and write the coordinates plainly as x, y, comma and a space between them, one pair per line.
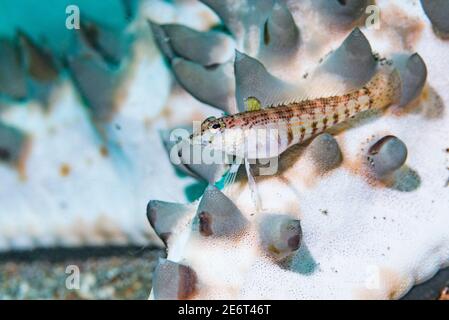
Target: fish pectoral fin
229, 177
253, 187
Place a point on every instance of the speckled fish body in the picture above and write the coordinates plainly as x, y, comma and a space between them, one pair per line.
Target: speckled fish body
268, 132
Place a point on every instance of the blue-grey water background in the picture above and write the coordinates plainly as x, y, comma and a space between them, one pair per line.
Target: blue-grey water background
116, 274
45, 21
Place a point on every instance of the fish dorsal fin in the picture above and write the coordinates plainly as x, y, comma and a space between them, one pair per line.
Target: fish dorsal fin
321, 86
257, 89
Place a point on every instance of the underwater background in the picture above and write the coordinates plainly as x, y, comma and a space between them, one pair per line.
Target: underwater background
111, 241
112, 272
45, 21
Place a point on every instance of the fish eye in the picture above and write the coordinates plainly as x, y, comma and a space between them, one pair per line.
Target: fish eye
206, 123
214, 127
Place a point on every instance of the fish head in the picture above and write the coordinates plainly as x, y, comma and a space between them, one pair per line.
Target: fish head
211, 133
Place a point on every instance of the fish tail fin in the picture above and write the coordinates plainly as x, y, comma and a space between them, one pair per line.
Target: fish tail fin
385, 87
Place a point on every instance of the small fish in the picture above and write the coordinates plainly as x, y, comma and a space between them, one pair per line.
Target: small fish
267, 132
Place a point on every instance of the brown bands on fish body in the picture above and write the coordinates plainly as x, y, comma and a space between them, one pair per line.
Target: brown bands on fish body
297, 121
